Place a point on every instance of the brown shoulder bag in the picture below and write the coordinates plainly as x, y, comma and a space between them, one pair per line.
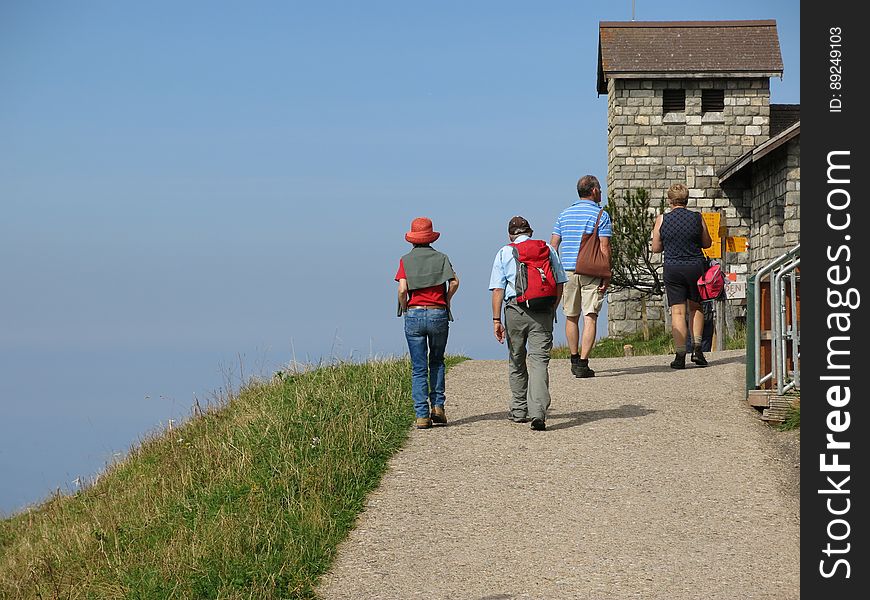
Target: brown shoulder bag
591, 260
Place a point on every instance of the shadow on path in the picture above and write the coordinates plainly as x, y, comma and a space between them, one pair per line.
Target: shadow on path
581, 417
665, 367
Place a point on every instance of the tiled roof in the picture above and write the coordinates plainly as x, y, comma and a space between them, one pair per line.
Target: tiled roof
681, 47
782, 116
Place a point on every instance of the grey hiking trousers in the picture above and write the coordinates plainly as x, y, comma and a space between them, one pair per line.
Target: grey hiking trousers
529, 340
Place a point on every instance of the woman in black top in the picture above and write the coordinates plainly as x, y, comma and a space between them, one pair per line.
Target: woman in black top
681, 233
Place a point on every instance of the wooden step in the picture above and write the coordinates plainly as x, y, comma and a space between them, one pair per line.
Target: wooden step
759, 398
779, 407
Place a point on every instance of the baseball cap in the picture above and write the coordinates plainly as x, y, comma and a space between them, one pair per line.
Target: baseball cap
519, 225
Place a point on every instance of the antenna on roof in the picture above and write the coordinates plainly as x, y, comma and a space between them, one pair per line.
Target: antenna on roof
632, 10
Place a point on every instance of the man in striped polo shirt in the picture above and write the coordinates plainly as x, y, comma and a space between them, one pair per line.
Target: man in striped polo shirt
582, 294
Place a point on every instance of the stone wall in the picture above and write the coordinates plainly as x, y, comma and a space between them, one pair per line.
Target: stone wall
775, 201
652, 150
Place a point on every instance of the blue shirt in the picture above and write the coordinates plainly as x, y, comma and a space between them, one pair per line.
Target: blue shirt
577, 219
504, 269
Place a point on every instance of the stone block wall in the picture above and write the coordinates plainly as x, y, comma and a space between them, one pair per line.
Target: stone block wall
652, 150
775, 204
624, 314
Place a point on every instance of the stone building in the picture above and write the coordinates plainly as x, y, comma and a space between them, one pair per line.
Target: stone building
769, 178
686, 101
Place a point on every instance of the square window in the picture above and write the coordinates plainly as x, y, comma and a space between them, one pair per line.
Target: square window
712, 101
673, 101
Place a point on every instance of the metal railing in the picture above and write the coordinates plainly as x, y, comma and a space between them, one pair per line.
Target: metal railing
783, 276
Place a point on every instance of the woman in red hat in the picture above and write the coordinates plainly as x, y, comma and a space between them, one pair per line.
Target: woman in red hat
427, 282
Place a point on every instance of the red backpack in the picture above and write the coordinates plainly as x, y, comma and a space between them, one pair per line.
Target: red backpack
711, 284
535, 281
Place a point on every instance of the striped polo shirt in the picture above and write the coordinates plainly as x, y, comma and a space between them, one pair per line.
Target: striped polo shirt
577, 219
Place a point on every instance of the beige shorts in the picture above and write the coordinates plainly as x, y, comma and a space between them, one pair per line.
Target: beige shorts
580, 296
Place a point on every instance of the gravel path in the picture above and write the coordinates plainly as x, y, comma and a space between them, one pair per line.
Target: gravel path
637, 490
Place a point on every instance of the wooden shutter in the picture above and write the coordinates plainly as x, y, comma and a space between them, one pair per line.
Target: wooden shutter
712, 100
673, 101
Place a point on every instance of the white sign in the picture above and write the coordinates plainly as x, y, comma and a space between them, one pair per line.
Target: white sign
735, 289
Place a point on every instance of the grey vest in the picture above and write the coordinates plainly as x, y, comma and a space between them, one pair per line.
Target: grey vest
426, 267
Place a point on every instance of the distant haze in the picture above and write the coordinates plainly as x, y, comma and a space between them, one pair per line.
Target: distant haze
187, 187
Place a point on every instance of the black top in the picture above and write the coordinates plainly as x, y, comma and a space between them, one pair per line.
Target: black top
681, 237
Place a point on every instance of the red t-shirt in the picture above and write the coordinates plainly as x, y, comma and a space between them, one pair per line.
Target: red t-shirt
430, 296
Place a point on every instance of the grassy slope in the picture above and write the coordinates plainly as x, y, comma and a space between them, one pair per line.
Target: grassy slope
246, 501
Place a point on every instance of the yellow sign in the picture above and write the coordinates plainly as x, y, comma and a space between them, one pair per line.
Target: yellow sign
735, 244
711, 219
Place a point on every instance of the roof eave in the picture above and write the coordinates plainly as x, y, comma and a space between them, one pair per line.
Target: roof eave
603, 75
694, 74
776, 141
729, 171
690, 24
602, 80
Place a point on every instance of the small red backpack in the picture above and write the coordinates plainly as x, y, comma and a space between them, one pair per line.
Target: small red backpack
535, 281
711, 284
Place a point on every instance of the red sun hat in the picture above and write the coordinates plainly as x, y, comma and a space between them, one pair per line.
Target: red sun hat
421, 231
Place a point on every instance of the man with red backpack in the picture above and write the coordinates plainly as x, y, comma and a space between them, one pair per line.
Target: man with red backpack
526, 279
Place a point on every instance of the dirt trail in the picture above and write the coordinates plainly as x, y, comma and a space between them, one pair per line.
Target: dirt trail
649, 483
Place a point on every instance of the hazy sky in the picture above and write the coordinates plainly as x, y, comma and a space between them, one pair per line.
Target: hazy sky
190, 185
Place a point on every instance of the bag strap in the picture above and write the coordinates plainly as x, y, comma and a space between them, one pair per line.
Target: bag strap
515, 253
597, 221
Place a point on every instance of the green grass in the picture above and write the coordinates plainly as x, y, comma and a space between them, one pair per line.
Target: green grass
736, 339
246, 500
660, 342
793, 419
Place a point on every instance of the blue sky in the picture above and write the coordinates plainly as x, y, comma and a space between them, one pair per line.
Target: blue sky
190, 186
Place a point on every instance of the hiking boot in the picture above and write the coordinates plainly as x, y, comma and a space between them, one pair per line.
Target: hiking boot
680, 361
423, 423
538, 424
585, 372
575, 364
698, 357
438, 416
581, 369
516, 419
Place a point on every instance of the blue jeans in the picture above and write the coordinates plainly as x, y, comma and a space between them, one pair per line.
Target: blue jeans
426, 332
